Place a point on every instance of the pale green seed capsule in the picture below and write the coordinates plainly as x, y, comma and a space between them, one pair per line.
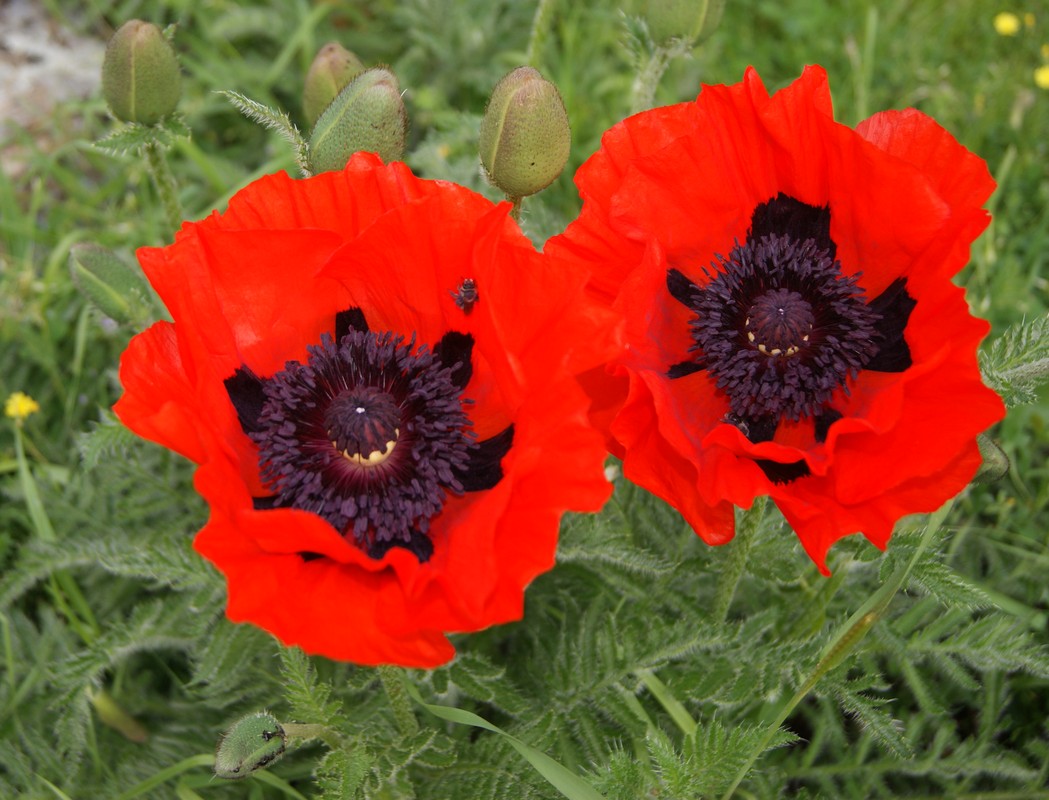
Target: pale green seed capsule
250, 744
368, 114
525, 136
140, 74
333, 67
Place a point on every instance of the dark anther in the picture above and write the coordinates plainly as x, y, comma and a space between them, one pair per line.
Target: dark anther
455, 350
352, 319
245, 391
483, 470
894, 306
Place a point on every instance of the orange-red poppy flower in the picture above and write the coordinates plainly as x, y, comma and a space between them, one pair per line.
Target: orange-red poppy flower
374, 373
792, 329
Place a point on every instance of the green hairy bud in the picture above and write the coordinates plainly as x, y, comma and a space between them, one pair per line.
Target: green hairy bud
107, 281
691, 20
525, 136
250, 744
333, 67
995, 464
368, 114
140, 74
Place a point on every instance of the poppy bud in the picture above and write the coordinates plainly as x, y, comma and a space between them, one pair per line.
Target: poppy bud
681, 19
368, 114
332, 68
115, 288
525, 136
250, 744
995, 464
140, 74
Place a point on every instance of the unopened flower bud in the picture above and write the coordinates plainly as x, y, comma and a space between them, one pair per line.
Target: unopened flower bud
107, 281
250, 744
995, 464
332, 68
368, 114
691, 20
140, 74
525, 136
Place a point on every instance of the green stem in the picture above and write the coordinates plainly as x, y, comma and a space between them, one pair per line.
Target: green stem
845, 641
540, 28
515, 212
393, 679
165, 183
738, 551
643, 94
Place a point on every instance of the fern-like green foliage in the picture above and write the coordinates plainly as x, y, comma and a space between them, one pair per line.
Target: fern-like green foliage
273, 120
1017, 363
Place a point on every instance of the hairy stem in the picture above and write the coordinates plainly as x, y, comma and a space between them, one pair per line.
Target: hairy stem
540, 29
643, 94
738, 551
165, 183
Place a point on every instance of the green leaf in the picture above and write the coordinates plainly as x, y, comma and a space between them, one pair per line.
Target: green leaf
1017, 363
565, 781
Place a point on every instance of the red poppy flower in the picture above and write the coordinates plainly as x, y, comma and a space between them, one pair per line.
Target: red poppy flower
792, 328
374, 374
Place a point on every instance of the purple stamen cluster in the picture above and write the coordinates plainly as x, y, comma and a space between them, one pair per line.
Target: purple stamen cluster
369, 433
779, 328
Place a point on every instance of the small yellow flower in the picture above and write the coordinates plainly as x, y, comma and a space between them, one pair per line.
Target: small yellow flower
1007, 23
1041, 77
1029, 20
19, 406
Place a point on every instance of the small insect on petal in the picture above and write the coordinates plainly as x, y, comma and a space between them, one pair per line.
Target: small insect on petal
466, 295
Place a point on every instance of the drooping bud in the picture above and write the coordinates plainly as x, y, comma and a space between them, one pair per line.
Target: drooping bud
107, 281
332, 68
140, 74
995, 464
368, 114
525, 136
690, 20
251, 743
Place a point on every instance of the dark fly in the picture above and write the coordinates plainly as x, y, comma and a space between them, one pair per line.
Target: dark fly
466, 295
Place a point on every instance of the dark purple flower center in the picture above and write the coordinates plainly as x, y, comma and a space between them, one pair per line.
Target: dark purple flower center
370, 433
780, 329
